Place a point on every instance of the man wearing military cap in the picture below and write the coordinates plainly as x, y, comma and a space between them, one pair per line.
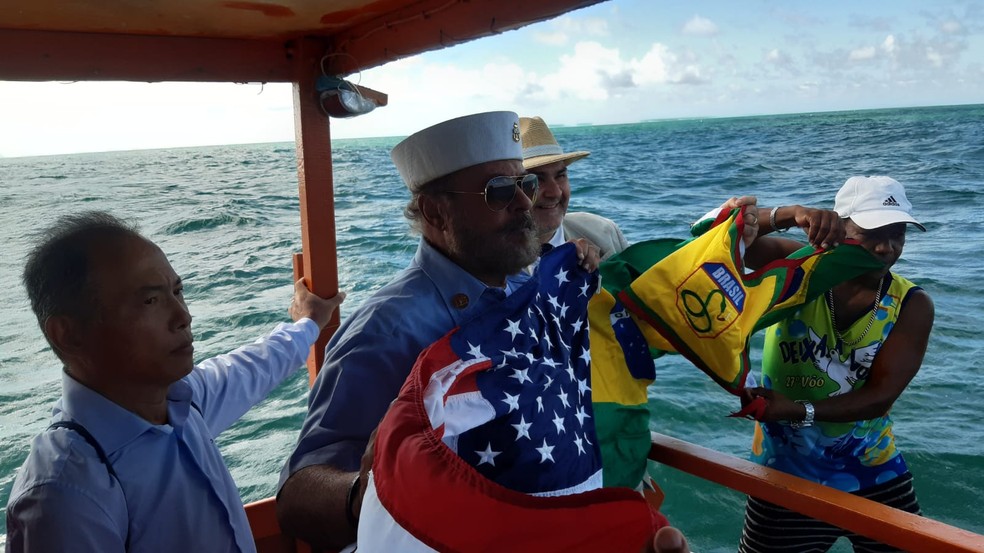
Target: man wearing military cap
470, 199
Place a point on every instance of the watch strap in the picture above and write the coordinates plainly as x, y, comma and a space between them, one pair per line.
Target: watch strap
808, 419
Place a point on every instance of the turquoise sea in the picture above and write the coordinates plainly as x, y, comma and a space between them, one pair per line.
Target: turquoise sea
227, 216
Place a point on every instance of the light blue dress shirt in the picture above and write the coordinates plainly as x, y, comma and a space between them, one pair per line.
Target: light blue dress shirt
174, 491
373, 351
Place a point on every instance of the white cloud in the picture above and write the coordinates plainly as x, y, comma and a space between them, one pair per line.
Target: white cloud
951, 27
555, 38
934, 57
594, 27
562, 29
862, 54
653, 67
595, 72
700, 26
691, 74
889, 44
773, 59
98, 116
586, 26
582, 75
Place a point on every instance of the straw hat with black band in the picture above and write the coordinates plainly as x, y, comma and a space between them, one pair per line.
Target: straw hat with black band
540, 147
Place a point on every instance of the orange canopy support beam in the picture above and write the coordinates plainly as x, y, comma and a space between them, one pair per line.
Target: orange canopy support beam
904, 530
315, 189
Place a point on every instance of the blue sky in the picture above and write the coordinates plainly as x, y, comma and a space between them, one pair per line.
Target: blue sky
617, 62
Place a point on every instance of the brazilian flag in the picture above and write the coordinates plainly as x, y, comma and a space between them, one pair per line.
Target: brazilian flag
690, 297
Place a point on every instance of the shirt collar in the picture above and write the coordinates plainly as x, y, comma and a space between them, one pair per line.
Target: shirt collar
454, 283
558, 238
110, 424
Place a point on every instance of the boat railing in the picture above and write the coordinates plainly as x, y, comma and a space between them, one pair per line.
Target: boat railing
868, 518
904, 530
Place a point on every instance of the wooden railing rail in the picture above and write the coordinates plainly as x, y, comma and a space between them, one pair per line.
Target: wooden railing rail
906, 531
903, 530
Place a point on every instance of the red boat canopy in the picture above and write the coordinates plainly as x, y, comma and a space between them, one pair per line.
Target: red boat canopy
239, 40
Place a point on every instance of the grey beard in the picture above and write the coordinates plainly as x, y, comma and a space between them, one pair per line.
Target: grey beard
491, 255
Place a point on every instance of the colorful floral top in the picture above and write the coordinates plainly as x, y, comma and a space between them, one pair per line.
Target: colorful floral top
804, 359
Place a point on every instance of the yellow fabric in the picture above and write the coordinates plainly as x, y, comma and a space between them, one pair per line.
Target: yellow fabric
699, 297
611, 381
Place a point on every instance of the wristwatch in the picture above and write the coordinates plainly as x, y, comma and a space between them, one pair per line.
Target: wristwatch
808, 419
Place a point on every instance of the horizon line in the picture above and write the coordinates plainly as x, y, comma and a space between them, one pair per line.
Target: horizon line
556, 126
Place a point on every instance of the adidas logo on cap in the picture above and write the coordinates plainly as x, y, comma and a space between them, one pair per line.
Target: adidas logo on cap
890, 201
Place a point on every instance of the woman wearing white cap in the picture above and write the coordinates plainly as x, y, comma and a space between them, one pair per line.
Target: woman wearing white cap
832, 372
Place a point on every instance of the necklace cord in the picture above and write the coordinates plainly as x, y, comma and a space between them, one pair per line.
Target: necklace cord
871, 317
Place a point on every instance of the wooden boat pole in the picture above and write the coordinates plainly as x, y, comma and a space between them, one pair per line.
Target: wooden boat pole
318, 263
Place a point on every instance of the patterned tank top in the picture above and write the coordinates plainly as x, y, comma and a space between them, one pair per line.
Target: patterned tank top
805, 360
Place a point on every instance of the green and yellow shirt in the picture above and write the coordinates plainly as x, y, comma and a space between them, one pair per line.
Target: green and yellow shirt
804, 359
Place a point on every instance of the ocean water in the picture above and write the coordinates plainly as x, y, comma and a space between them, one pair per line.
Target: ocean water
227, 216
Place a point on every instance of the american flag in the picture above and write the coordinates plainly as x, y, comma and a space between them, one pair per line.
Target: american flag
527, 421
491, 442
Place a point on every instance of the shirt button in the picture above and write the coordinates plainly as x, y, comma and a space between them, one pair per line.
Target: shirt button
460, 301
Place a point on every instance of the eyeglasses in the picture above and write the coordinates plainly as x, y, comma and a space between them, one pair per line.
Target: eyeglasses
500, 191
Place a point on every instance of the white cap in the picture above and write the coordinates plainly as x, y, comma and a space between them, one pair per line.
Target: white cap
456, 144
873, 202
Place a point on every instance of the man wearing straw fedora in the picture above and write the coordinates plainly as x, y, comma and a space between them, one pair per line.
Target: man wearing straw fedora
544, 157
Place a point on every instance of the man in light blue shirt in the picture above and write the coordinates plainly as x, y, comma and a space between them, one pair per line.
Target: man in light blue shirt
130, 463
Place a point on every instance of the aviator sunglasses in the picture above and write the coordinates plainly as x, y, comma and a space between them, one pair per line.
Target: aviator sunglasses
500, 191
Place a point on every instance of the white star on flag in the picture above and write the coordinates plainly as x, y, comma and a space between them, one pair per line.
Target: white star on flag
581, 415
582, 386
523, 428
545, 452
475, 351
487, 456
563, 398
512, 401
559, 423
521, 375
513, 328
